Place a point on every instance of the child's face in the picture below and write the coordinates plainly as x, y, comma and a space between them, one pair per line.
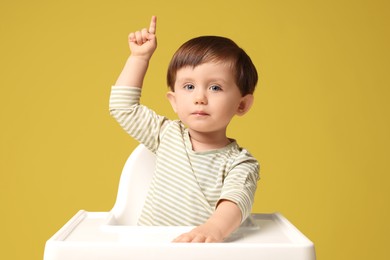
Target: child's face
206, 97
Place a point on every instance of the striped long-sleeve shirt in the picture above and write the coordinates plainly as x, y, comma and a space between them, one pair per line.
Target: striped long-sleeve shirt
186, 185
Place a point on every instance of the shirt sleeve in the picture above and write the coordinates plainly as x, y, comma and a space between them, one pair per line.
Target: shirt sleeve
142, 123
240, 185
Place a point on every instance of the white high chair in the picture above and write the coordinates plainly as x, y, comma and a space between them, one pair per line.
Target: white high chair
133, 187
114, 235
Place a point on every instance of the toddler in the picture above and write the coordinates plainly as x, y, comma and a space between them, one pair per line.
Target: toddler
202, 177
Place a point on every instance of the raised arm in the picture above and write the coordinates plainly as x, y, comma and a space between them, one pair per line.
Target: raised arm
142, 45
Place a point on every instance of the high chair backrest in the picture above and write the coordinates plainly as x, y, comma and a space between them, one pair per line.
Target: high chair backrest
133, 186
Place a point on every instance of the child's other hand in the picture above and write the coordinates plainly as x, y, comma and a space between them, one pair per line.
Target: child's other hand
206, 233
143, 43
225, 219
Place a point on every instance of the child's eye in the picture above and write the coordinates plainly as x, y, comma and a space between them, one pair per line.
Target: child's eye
215, 88
189, 87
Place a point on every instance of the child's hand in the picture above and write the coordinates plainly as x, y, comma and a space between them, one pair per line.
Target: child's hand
205, 233
143, 43
225, 219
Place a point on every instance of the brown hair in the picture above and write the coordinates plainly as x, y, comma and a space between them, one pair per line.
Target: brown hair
215, 49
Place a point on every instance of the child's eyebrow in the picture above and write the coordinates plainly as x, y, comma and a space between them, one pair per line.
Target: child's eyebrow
220, 81
209, 80
184, 80
223, 80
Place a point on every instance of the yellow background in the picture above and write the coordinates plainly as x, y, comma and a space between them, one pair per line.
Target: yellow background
319, 126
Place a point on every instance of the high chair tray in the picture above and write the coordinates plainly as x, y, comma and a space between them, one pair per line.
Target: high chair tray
92, 235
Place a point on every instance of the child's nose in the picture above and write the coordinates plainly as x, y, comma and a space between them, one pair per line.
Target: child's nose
200, 98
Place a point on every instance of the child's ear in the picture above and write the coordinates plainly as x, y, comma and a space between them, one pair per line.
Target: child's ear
245, 104
172, 99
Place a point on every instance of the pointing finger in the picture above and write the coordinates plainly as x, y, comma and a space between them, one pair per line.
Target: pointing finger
152, 27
